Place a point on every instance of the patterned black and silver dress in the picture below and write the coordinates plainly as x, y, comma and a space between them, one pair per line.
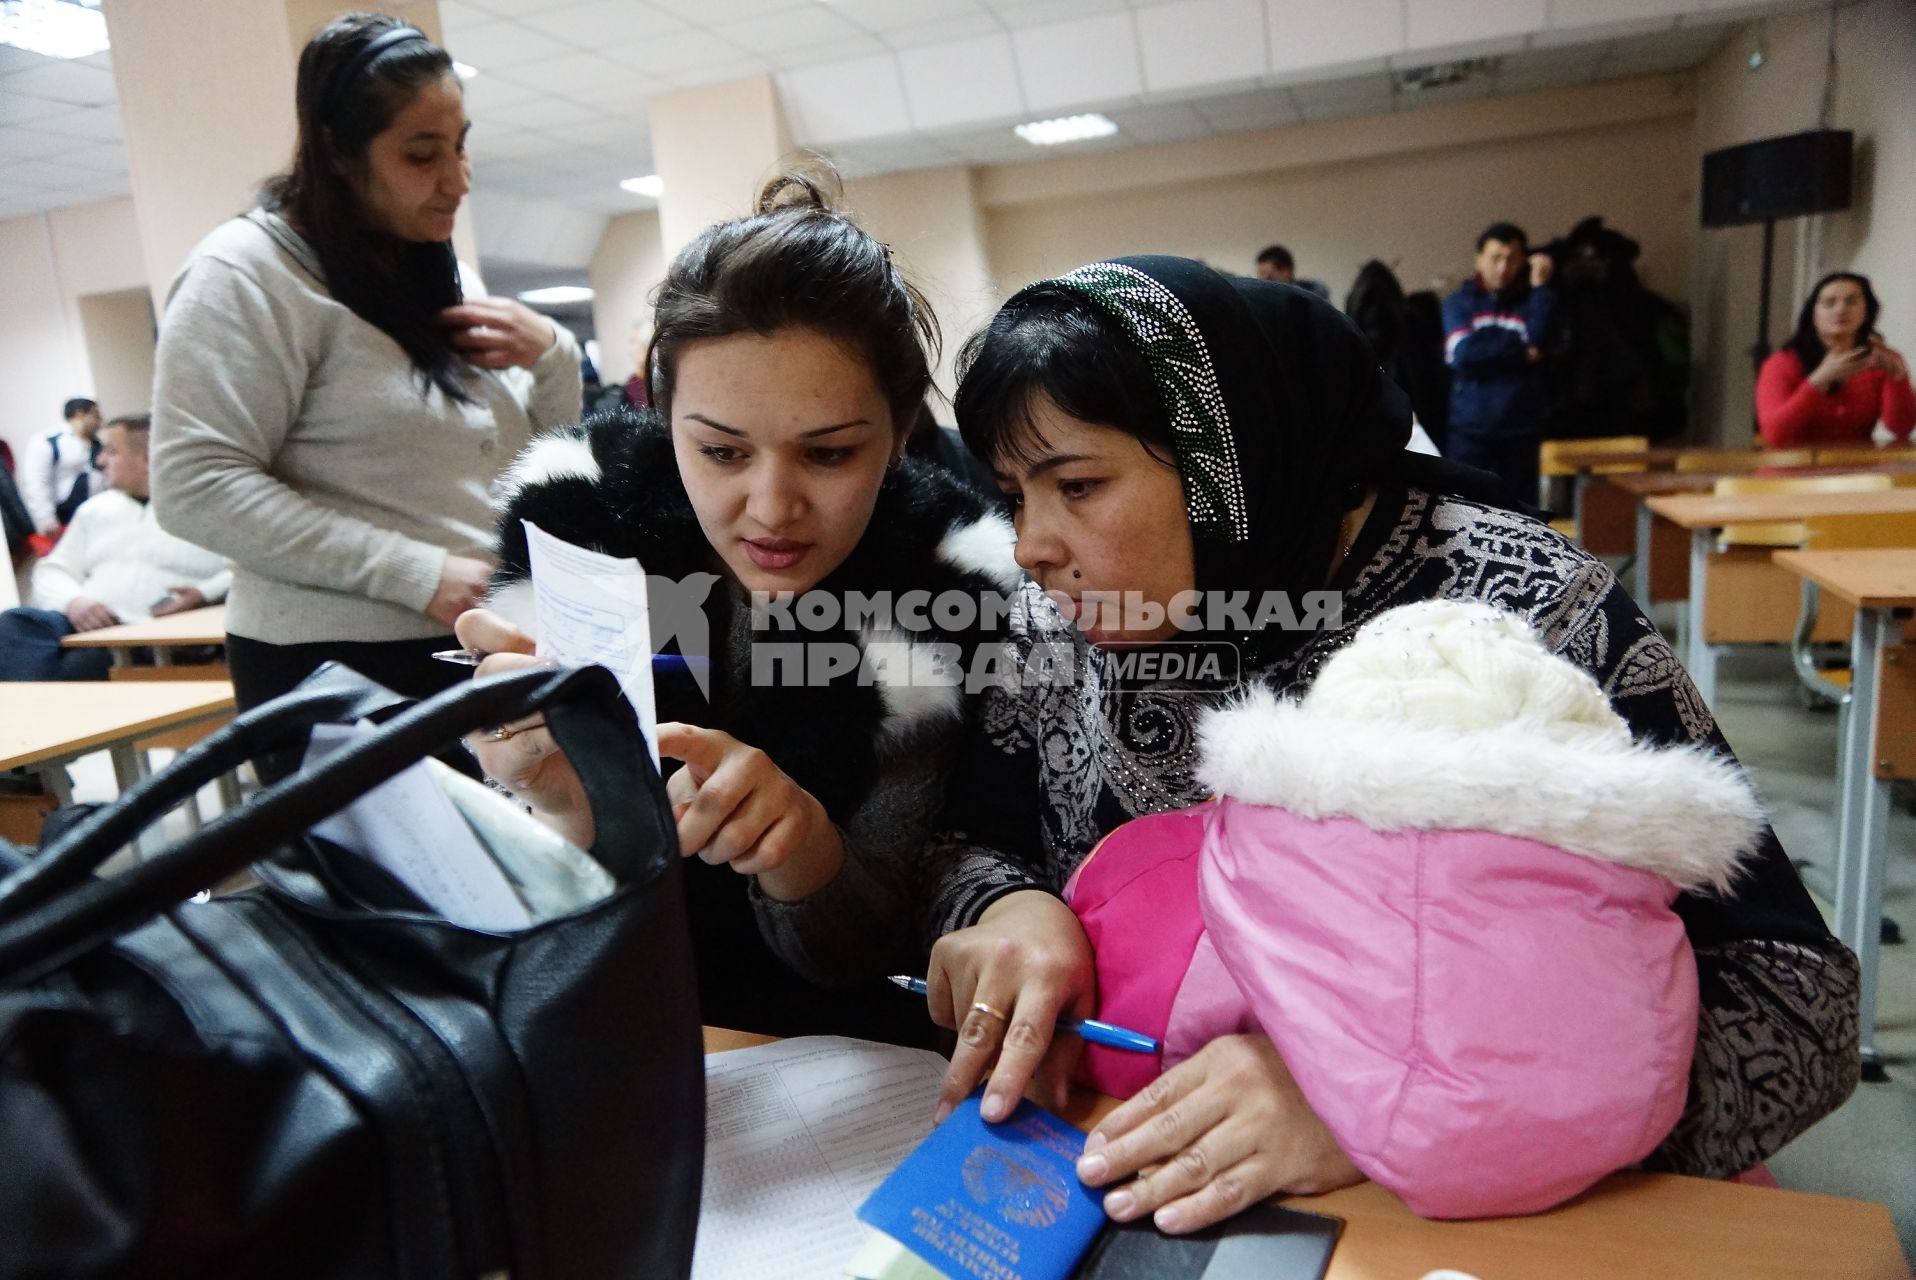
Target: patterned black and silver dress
1051, 770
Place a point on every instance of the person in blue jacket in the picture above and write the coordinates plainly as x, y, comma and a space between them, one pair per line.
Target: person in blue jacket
1496, 330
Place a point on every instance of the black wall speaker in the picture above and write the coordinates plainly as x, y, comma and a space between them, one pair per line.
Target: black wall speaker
1777, 178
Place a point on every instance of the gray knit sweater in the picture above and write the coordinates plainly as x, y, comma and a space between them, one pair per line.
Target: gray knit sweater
292, 437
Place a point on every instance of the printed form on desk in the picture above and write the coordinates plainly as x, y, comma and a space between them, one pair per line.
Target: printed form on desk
797, 1134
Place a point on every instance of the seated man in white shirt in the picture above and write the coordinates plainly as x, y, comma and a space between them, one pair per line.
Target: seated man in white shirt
114, 565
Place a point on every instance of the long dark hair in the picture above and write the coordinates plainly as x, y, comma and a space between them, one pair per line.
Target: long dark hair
797, 262
343, 100
1807, 343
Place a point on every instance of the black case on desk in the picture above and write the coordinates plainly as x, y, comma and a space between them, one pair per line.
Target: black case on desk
1265, 1242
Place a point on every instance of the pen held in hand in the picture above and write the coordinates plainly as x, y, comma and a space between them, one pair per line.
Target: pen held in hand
661, 662
1090, 1029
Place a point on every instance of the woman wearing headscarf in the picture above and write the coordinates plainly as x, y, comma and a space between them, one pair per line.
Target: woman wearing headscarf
1163, 430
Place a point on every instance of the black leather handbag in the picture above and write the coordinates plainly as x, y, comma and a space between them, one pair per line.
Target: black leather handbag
303, 1079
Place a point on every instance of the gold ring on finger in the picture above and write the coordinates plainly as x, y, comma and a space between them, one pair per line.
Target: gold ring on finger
504, 732
989, 1012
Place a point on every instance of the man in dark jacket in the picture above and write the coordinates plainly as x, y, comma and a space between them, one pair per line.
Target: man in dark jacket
1496, 329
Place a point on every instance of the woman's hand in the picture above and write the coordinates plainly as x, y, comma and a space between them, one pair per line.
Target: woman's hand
1219, 1132
462, 587
735, 807
1027, 963
179, 600
498, 333
1888, 358
528, 763
1839, 366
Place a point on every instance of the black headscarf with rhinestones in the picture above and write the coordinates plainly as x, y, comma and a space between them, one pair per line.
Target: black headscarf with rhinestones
1279, 414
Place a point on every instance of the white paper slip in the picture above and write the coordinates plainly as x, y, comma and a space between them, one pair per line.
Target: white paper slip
797, 1134
409, 827
592, 608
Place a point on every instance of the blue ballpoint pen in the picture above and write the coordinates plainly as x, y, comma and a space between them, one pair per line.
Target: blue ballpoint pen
1089, 1028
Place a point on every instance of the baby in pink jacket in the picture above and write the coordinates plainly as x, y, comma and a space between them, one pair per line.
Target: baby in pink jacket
1442, 884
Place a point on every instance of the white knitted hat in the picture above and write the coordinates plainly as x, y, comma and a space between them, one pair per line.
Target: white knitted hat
1451, 715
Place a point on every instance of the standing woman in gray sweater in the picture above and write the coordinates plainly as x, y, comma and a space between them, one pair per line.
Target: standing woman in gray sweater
328, 413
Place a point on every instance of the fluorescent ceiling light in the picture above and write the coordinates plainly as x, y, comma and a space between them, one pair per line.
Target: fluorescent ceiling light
464, 70
650, 185
1049, 133
54, 28
557, 295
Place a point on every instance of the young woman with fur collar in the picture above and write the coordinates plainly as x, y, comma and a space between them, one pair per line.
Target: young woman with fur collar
789, 363
1165, 429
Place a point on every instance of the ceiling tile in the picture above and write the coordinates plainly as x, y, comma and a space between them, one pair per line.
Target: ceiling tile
499, 46
93, 124
1499, 47
789, 29
1193, 43
456, 15
20, 108
1038, 13
884, 16
47, 173
1604, 13
492, 97
1436, 24
573, 73
1598, 34
1310, 33
12, 60
601, 24
1256, 109
96, 157
720, 72
1069, 64
679, 54
942, 31
713, 12
858, 46
846, 100
961, 82
27, 144
64, 82
1166, 122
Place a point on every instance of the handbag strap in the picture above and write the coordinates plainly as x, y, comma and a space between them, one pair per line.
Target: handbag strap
580, 707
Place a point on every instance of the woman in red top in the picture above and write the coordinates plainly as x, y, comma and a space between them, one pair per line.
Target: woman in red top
1834, 379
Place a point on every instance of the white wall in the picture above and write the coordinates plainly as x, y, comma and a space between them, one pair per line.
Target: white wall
120, 337
1874, 94
625, 269
936, 232
1412, 188
48, 264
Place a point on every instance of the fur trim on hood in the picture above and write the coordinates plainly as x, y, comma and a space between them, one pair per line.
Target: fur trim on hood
1452, 716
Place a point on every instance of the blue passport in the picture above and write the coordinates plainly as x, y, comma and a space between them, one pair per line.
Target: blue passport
1000, 1201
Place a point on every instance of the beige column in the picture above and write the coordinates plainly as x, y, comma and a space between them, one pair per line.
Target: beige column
714, 147
206, 100
624, 270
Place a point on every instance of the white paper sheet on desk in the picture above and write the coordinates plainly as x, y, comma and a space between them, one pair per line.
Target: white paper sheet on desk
797, 1134
592, 608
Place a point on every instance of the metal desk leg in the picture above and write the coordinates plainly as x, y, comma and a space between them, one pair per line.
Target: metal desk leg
1862, 819
122, 656
129, 766
1576, 501
53, 776
1700, 658
1642, 588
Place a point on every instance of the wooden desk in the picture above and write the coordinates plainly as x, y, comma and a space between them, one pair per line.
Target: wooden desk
43, 726
1873, 747
1642, 485
1630, 1225
1703, 514
194, 627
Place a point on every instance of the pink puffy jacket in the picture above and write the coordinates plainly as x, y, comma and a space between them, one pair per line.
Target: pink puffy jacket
1445, 896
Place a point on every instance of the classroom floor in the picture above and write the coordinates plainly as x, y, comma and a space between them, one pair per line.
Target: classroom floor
1867, 1149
